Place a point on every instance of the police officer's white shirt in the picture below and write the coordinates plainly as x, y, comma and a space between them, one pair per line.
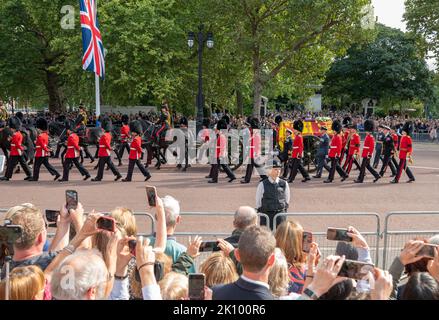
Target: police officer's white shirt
260, 191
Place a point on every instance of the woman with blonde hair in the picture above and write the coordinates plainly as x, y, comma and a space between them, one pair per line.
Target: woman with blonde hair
219, 269
174, 286
25, 283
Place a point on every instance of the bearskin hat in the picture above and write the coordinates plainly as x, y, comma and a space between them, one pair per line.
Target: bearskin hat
125, 119
408, 127
106, 124
369, 126
347, 121
226, 118
19, 115
206, 122
136, 126
69, 125
14, 123
298, 125
221, 125
42, 124
278, 119
336, 126
183, 121
79, 119
254, 123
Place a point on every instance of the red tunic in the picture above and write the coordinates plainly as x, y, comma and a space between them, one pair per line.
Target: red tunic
105, 145
41, 147
354, 144
124, 133
344, 140
221, 146
335, 147
136, 148
405, 147
297, 147
73, 147
16, 147
369, 146
255, 144
395, 140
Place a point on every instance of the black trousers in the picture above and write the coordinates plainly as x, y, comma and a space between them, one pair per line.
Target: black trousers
141, 167
378, 151
365, 164
122, 147
350, 160
286, 169
296, 165
43, 161
272, 223
249, 171
214, 170
87, 152
66, 168
12, 162
101, 167
321, 163
335, 165
387, 162
403, 166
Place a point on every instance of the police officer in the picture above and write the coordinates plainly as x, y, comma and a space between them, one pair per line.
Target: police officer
104, 152
297, 154
388, 151
254, 143
322, 152
42, 151
273, 195
285, 154
124, 137
405, 152
378, 147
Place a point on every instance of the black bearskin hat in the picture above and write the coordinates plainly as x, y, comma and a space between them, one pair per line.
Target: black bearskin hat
336, 126
69, 125
14, 123
347, 121
226, 119
254, 123
184, 122
298, 125
19, 115
278, 119
79, 119
408, 127
369, 126
125, 119
136, 126
206, 123
42, 124
106, 124
221, 125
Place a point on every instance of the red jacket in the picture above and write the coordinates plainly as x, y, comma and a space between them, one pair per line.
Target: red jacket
41, 145
124, 133
369, 146
221, 146
73, 147
136, 148
105, 145
16, 147
395, 140
335, 147
255, 144
405, 147
344, 140
354, 144
297, 147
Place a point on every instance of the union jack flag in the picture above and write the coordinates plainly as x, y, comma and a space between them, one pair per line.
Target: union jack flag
93, 48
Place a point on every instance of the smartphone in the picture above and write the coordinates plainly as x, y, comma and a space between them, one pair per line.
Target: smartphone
52, 217
338, 235
196, 286
106, 223
206, 246
71, 199
10, 233
427, 251
355, 269
306, 241
132, 245
151, 193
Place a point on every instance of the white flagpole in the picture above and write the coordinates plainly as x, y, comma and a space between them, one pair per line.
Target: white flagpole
98, 97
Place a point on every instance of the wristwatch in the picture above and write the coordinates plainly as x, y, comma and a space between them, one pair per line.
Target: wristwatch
310, 294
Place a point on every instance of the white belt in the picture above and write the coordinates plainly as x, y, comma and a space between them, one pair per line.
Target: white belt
366, 148
101, 146
295, 147
70, 147
12, 145
133, 149
38, 147
333, 147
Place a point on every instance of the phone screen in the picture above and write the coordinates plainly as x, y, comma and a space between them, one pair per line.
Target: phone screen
338, 234
427, 251
106, 223
355, 269
209, 246
151, 194
71, 199
306, 241
132, 245
196, 286
9, 234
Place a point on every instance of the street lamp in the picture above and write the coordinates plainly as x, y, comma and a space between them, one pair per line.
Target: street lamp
201, 38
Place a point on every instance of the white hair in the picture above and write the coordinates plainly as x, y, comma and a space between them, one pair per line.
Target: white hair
245, 216
172, 210
77, 274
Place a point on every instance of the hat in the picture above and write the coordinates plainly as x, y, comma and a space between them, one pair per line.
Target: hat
353, 126
347, 121
222, 124
336, 126
183, 121
369, 126
273, 164
125, 119
19, 115
79, 119
135, 126
278, 119
14, 123
254, 123
206, 122
408, 127
69, 125
106, 124
42, 124
226, 118
323, 128
298, 125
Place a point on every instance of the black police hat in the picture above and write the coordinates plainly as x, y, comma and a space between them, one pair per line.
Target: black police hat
273, 164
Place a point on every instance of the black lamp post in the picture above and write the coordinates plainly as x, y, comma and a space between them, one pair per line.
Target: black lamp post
201, 37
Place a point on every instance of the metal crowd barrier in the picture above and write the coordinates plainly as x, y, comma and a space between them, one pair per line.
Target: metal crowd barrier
328, 247
394, 240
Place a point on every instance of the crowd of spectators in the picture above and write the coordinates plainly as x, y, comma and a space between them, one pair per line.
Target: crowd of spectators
252, 264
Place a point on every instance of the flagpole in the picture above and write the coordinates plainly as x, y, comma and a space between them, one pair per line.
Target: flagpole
98, 97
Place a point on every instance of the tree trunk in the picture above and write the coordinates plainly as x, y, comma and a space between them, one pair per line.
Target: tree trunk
239, 102
53, 91
257, 96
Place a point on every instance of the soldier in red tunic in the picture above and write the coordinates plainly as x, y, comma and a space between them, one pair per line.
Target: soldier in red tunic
42, 151
136, 152
72, 154
124, 137
405, 152
345, 138
16, 153
335, 150
368, 148
297, 154
104, 152
254, 142
353, 150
